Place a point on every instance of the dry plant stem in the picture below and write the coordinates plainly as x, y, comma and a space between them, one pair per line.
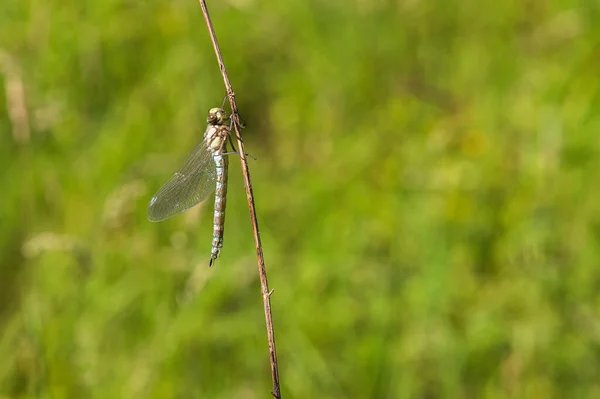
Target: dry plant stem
266, 294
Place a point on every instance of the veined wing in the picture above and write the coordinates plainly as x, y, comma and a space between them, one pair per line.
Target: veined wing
192, 183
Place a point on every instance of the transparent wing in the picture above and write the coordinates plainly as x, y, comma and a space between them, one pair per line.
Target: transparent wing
192, 183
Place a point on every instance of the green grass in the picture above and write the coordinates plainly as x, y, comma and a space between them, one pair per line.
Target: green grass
426, 185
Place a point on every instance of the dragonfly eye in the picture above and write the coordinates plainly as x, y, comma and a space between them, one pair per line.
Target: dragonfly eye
216, 116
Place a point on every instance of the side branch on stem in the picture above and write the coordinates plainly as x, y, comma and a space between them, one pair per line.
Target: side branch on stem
266, 294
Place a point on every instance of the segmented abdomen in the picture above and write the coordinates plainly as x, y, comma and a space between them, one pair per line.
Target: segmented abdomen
220, 201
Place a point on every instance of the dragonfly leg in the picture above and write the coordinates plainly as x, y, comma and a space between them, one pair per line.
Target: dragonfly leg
237, 153
233, 146
231, 142
241, 121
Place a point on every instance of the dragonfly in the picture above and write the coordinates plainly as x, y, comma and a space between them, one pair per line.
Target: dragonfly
203, 171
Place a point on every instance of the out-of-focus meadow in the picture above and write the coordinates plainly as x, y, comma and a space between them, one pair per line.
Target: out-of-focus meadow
426, 185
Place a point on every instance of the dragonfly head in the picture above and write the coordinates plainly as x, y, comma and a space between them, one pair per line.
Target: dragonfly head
216, 116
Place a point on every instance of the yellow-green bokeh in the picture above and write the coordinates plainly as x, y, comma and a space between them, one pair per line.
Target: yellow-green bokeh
426, 185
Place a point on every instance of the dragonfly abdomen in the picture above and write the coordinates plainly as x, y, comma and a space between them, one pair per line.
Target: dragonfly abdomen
222, 164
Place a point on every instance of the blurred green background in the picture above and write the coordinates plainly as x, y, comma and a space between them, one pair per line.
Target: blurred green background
426, 185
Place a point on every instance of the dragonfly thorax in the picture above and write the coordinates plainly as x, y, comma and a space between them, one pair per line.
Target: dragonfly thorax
215, 137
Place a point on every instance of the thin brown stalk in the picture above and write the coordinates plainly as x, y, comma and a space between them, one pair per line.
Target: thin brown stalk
262, 271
